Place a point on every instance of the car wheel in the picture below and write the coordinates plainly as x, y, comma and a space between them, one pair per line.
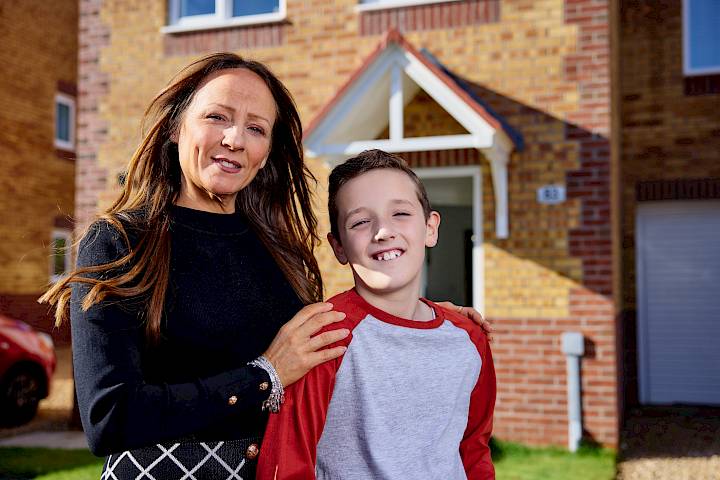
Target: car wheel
21, 394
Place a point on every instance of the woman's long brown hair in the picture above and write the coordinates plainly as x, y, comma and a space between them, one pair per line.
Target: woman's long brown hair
277, 203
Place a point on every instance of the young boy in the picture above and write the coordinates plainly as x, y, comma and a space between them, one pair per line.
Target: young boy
414, 393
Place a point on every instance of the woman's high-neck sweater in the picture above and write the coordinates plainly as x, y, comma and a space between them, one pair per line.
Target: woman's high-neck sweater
226, 300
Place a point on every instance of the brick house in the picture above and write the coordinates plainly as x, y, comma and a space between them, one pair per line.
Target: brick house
536, 126
37, 152
669, 107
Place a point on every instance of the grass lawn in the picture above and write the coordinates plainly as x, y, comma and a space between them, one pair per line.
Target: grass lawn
512, 462
48, 464
518, 462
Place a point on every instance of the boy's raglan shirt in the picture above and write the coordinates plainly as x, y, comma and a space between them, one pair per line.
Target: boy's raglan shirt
396, 405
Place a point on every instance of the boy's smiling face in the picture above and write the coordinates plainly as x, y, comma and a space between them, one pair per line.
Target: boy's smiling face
383, 232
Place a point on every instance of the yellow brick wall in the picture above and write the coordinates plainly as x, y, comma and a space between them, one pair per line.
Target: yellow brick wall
39, 48
543, 66
520, 59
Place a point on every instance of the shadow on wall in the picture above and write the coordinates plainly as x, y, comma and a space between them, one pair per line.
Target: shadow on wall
557, 151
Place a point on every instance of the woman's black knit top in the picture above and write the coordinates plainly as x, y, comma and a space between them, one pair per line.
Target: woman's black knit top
226, 300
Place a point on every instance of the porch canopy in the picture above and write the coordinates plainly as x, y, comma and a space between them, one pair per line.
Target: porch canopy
374, 99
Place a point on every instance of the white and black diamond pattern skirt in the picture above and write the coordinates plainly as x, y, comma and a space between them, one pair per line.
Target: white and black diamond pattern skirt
186, 460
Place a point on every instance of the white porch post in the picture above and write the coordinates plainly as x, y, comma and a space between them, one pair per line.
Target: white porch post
499, 158
396, 104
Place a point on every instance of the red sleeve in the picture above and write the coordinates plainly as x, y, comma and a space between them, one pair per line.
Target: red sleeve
289, 448
475, 445
290, 443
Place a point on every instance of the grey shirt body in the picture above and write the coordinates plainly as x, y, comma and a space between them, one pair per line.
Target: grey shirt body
400, 403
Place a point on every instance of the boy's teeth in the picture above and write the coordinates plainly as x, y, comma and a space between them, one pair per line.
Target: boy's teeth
227, 164
391, 255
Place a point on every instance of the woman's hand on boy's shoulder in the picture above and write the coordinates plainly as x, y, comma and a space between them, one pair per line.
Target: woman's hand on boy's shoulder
296, 348
470, 313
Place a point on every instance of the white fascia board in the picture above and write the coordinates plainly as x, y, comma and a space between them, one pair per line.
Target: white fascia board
415, 144
448, 99
358, 94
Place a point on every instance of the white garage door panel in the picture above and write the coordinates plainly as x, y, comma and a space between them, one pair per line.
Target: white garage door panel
678, 269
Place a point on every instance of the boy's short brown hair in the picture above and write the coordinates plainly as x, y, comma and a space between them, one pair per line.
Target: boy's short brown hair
363, 163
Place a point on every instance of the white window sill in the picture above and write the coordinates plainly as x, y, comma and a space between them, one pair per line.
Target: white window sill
385, 5
702, 71
231, 22
63, 145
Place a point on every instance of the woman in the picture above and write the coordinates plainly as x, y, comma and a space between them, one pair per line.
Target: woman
184, 286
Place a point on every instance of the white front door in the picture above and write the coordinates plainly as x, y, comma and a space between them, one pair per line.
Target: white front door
678, 293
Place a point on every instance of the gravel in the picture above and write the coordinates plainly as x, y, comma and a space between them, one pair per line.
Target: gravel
673, 443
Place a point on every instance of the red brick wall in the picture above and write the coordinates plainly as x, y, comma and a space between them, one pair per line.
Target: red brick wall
531, 368
430, 16
224, 40
592, 239
93, 83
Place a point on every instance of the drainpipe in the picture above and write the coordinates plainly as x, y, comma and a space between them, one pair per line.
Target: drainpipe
573, 346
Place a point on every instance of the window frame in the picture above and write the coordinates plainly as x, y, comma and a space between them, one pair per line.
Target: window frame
390, 4
69, 101
222, 18
66, 235
688, 71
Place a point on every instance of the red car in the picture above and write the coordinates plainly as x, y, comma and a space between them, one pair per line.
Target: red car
27, 362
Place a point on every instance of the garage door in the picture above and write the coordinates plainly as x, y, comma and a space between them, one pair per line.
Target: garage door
678, 282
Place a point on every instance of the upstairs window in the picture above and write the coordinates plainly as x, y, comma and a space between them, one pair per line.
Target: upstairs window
188, 15
701, 37
64, 122
60, 253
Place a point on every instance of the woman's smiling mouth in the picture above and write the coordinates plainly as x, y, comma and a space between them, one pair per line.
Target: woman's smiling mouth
226, 165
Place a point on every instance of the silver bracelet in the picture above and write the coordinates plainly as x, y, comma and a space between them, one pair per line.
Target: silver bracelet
277, 393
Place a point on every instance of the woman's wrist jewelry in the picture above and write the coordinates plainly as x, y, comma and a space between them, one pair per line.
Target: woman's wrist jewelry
277, 393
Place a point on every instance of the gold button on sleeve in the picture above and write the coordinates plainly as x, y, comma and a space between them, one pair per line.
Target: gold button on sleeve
232, 400
252, 451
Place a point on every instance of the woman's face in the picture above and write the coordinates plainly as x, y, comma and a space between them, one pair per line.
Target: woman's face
224, 138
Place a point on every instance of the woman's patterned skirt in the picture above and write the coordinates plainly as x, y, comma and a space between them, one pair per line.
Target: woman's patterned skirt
186, 460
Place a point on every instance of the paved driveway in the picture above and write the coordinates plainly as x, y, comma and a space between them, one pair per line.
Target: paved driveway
673, 443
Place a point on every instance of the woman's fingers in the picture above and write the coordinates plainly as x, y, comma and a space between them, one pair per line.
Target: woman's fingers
308, 312
294, 350
316, 358
476, 317
449, 306
327, 338
470, 313
317, 322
